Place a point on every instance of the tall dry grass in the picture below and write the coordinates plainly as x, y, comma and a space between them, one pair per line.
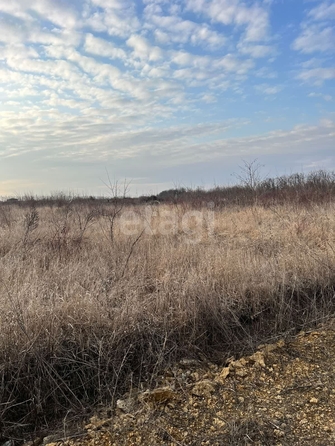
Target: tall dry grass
85, 313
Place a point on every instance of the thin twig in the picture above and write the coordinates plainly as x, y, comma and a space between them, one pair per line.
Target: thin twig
130, 253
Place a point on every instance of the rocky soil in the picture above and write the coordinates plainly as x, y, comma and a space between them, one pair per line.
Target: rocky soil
283, 394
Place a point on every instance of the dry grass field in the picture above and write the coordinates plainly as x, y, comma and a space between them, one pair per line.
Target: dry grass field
96, 298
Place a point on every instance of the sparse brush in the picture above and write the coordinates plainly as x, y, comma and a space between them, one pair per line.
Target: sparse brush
30, 223
80, 322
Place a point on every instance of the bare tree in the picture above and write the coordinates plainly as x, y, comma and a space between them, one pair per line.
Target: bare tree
250, 175
116, 202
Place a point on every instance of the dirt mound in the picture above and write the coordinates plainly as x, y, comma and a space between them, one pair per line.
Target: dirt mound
283, 394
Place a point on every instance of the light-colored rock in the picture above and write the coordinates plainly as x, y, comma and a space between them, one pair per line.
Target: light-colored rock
240, 363
158, 396
50, 439
96, 423
241, 373
36, 442
223, 374
204, 388
220, 423
258, 359
126, 405
189, 362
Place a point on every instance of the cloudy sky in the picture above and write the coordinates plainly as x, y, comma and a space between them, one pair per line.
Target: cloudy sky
163, 93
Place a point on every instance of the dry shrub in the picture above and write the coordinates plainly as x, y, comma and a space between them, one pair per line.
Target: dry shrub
84, 315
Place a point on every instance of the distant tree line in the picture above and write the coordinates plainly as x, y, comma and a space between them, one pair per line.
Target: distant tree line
300, 188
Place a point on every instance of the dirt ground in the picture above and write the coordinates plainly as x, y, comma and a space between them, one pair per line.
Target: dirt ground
283, 394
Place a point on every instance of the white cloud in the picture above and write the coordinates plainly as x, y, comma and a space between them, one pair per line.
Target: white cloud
104, 80
17, 52
64, 37
203, 35
317, 75
61, 69
11, 32
93, 139
101, 47
232, 64
184, 58
170, 29
64, 57
326, 97
209, 98
255, 51
254, 18
103, 74
266, 73
325, 11
117, 18
143, 50
17, 31
257, 21
268, 89
58, 12
315, 38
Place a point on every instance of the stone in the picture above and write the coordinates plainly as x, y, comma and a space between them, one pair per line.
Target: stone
268, 348
241, 372
204, 388
96, 423
37, 442
125, 405
189, 362
220, 423
224, 373
278, 433
158, 396
240, 363
258, 359
50, 439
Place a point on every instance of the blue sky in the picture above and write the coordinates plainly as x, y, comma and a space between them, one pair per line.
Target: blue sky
162, 93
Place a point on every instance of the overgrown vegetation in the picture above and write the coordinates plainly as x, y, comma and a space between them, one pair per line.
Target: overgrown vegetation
93, 300
302, 189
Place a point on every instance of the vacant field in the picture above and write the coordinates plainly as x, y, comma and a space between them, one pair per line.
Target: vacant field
97, 297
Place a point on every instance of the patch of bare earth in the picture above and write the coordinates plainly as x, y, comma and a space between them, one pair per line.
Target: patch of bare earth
283, 394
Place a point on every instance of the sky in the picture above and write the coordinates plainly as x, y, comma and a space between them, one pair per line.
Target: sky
162, 93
